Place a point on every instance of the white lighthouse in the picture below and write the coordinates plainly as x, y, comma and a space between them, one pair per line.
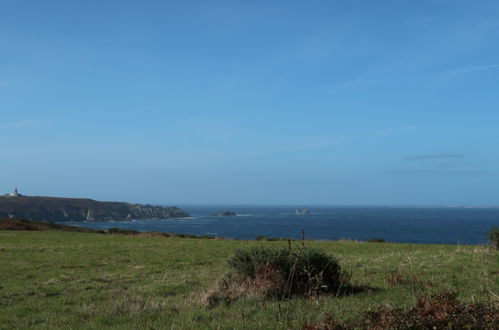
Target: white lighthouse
14, 193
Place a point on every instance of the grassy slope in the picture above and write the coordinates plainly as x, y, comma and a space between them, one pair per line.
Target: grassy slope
16, 224
82, 280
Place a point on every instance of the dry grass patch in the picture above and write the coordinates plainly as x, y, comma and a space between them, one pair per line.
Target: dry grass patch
442, 311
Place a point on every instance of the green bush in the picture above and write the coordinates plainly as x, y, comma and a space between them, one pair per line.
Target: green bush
288, 271
494, 237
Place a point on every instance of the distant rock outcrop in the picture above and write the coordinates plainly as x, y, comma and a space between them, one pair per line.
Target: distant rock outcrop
226, 214
80, 209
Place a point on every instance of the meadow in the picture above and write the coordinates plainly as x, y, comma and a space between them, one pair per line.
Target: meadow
79, 280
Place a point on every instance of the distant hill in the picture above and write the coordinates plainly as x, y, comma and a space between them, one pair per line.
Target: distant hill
80, 209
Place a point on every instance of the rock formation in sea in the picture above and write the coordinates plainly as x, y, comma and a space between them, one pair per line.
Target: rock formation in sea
226, 214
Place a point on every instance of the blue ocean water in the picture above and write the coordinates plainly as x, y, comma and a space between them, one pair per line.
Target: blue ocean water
404, 225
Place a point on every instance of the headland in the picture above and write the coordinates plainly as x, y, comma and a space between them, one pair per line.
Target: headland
53, 209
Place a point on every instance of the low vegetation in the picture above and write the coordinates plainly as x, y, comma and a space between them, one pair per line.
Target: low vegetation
442, 311
16, 224
81, 280
494, 237
376, 240
273, 239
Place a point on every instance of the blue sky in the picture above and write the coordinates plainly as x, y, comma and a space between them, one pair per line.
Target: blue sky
251, 102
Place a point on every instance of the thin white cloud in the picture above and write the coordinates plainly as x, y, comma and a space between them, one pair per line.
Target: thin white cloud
391, 131
308, 146
451, 74
21, 123
353, 83
295, 148
431, 171
435, 156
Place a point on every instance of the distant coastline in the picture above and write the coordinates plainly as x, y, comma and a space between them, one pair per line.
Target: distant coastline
53, 209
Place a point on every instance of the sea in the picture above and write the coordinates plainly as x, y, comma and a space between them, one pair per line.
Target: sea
442, 225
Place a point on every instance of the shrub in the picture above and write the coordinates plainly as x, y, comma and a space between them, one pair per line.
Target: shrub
287, 271
376, 240
274, 239
494, 237
121, 231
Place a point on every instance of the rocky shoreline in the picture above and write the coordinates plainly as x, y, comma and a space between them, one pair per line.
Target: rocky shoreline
55, 209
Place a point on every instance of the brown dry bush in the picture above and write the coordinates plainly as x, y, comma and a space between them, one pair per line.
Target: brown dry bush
395, 278
442, 311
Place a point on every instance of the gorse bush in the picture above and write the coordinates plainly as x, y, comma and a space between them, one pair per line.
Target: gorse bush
494, 237
287, 271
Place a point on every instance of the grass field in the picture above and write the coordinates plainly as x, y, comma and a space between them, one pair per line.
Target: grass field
59, 279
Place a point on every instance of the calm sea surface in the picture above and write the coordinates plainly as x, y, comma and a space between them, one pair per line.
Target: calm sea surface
406, 225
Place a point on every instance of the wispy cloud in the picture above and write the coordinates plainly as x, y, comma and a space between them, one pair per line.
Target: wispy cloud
451, 74
391, 131
353, 83
21, 123
462, 172
295, 148
435, 156
309, 146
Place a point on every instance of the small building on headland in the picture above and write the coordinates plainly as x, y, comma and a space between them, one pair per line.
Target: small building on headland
15, 193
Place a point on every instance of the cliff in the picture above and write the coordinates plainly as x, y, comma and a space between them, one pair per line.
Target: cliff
81, 209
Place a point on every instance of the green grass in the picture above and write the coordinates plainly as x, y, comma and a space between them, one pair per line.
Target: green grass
58, 279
